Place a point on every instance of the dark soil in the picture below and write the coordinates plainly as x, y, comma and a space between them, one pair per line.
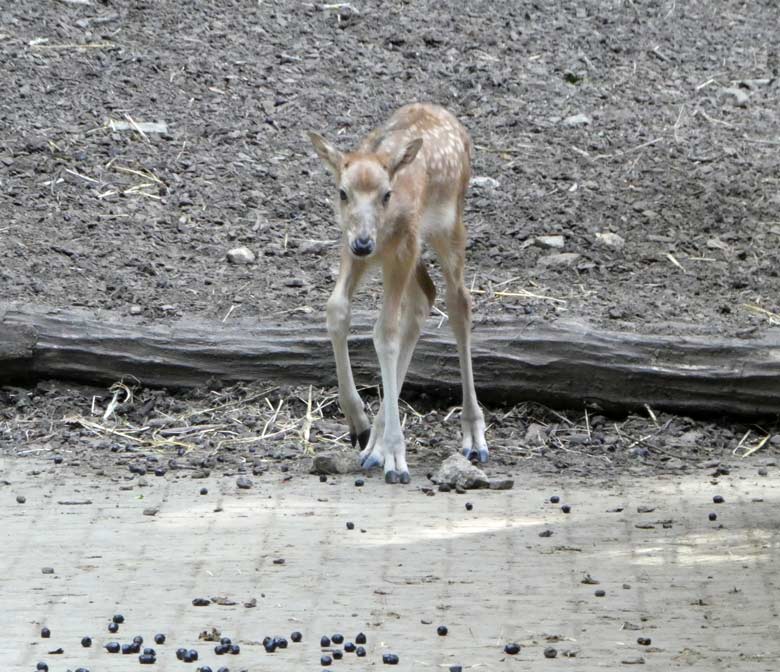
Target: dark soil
659, 122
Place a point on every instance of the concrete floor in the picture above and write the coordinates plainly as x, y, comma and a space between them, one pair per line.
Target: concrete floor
705, 594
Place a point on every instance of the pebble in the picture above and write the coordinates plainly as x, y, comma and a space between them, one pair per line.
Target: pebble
244, 483
512, 649
552, 242
323, 478
600, 593
550, 652
610, 239
577, 120
644, 641
201, 602
21, 499
240, 255
558, 260
390, 659
442, 631
763, 471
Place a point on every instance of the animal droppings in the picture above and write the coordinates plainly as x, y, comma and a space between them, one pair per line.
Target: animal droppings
325, 660
512, 649
360, 652
296, 637
390, 659
550, 652
566, 508
442, 631
86, 642
360, 638
159, 639
555, 499
113, 647
324, 641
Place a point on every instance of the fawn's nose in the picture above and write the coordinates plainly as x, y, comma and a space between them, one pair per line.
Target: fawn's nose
362, 247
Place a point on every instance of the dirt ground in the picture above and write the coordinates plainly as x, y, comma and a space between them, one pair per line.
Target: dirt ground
704, 592
658, 122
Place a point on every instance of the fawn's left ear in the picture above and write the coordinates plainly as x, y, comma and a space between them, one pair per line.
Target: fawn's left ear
330, 156
404, 157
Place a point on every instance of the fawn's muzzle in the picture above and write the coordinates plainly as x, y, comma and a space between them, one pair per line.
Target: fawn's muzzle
362, 247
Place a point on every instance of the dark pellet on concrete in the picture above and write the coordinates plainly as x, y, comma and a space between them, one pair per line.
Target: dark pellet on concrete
512, 649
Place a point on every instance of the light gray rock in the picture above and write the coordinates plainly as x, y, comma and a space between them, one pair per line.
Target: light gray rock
457, 472
558, 260
336, 463
535, 434
241, 255
552, 242
484, 182
577, 120
740, 96
610, 239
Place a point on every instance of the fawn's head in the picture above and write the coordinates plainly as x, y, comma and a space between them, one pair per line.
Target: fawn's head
364, 202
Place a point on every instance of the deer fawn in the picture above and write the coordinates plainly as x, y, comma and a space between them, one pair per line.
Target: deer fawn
405, 184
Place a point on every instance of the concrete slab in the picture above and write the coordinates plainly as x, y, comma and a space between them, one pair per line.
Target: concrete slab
705, 592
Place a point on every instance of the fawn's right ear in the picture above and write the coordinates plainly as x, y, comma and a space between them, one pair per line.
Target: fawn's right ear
330, 156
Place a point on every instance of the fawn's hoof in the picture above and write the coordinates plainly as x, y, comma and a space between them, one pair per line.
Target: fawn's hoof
391, 476
482, 455
361, 438
372, 460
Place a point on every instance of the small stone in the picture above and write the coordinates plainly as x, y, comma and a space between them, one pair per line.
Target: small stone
457, 472
336, 463
644, 641
47, 570
558, 260
577, 120
512, 649
484, 182
740, 96
21, 499
240, 255
546, 533
359, 482
279, 561
600, 593
610, 239
152, 511
550, 242
763, 471
201, 602
550, 652
323, 478
502, 484
244, 483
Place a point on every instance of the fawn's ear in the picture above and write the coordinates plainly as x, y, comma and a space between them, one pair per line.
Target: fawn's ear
404, 157
330, 156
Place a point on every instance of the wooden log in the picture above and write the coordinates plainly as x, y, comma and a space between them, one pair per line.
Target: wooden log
563, 364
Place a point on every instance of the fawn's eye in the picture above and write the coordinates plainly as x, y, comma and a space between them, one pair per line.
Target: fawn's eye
343, 195
386, 197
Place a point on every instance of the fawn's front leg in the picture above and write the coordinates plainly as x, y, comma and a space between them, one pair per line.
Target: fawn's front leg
391, 450
339, 313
